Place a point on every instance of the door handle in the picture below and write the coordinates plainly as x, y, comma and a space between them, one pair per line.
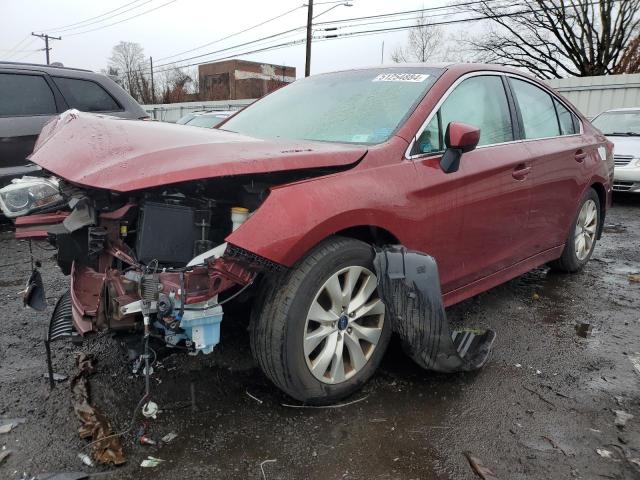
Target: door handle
521, 171
580, 156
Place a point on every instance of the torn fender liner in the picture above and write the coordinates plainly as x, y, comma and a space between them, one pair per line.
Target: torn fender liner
409, 286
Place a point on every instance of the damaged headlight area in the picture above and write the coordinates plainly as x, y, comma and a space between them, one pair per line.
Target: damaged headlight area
30, 194
152, 262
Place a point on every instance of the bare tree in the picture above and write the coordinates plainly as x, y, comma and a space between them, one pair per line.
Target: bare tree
557, 38
129, 67
174, 83
423, 41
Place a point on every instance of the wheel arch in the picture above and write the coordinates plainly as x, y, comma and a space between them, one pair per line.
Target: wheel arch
371, 234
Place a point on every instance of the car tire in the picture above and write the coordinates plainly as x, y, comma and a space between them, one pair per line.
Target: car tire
283, 330
582, 237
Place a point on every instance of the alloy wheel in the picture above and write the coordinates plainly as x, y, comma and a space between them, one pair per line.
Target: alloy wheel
586, 227
343, 325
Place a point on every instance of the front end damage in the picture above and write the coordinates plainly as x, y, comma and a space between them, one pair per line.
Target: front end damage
151, 263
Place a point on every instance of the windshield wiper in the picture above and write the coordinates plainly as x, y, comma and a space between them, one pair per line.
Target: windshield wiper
623, 134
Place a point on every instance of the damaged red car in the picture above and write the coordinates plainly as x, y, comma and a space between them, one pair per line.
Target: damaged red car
159, 226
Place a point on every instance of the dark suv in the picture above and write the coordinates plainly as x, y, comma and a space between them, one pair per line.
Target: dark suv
31, 94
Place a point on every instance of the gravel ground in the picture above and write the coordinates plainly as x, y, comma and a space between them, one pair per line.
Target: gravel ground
540, 408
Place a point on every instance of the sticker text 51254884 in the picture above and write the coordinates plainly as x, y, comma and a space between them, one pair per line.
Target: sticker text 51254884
401, 77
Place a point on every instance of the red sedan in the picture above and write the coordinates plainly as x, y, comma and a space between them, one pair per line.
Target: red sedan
484, 168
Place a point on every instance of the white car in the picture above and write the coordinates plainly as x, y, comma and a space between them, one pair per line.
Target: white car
622, 127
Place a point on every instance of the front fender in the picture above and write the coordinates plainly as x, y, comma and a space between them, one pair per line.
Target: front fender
296, 217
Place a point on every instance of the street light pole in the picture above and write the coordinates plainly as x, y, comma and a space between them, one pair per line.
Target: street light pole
310, 17
307, 64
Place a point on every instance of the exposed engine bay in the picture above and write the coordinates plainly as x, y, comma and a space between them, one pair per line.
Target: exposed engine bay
155, 261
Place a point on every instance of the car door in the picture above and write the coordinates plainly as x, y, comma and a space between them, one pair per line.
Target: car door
26, 103
488, 197
558, 155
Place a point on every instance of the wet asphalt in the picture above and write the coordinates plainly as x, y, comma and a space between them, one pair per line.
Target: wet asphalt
540, 409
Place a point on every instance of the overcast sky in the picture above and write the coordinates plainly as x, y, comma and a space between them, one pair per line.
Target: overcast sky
184, 24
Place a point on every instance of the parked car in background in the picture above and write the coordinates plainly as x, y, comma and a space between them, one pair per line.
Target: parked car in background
207, 119
482, 167
31, 94
622, 127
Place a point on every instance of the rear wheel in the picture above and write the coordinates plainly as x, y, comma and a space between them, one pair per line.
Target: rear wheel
319, 331
582, 238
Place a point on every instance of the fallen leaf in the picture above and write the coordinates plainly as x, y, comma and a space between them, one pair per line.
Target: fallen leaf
635, 361
485, 473
622, 418
604, 453
635, 278
4, 454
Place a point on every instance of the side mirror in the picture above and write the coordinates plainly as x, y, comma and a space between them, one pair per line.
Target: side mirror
459, 138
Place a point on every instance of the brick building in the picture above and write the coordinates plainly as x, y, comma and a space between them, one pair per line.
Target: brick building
240, 79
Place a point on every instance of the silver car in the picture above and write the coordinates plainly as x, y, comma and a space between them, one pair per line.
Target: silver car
205, 119
622, 127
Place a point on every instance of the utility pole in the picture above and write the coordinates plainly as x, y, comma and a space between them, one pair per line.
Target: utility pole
153, 90
46, 38
307, 65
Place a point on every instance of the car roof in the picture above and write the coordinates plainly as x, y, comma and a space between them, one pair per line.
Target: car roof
462, 67
216, 112
626, 109
40, 67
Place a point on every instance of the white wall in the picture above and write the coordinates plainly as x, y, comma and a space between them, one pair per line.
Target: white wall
592, 95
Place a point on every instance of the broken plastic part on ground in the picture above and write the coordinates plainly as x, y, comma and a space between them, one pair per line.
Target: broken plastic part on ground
409, 285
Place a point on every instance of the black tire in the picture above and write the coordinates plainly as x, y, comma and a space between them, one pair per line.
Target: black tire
569, 261
279, 315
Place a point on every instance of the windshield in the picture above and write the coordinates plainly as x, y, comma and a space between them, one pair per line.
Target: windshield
206, 121
360, 106
618, 123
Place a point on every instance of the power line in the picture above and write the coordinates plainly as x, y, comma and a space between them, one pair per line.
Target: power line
66, 27
18, 45
123, 20
391, 14
428, 9
234, 34
352, 34
232, 47
342, 35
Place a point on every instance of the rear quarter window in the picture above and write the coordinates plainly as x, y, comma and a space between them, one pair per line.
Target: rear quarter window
85, 95
25, 95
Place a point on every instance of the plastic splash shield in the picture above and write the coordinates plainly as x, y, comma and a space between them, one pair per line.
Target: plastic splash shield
409, 286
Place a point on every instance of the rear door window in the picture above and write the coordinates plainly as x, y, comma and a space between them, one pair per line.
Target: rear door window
538, 113
480, 101
25, 95
85, 95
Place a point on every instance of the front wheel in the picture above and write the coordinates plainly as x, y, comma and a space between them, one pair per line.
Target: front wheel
319, 331
582, 238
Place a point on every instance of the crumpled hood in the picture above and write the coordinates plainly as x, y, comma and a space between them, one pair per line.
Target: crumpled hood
625, 145
125, 155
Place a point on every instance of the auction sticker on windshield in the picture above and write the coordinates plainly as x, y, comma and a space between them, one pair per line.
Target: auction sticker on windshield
401, 77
